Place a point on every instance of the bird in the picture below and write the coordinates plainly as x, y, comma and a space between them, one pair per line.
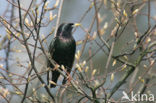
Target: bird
62, 50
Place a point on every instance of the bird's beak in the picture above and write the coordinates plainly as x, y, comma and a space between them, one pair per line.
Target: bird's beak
76, 24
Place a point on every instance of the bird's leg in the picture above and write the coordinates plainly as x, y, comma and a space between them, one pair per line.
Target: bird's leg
68, 76
48, 77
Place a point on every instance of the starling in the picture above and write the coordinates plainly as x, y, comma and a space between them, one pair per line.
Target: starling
62, 50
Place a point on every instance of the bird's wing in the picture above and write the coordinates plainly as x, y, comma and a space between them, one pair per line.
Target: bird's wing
51, 50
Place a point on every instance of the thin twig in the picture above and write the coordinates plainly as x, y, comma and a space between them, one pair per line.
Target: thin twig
58, 17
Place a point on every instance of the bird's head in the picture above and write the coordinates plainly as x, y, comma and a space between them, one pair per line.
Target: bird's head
65, 29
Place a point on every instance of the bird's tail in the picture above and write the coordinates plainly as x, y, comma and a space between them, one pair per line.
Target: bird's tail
48, 77
55, 76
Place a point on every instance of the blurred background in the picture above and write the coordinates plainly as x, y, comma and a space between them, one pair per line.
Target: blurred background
73, 11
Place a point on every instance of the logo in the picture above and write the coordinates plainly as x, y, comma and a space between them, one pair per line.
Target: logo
137, 97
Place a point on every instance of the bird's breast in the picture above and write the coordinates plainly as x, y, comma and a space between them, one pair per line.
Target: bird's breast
64, 51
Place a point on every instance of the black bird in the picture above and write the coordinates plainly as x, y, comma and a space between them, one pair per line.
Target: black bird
62, 50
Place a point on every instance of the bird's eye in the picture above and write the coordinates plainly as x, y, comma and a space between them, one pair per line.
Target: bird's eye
68, 26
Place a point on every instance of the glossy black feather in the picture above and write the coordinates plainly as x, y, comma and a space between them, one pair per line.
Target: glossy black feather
62, 50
